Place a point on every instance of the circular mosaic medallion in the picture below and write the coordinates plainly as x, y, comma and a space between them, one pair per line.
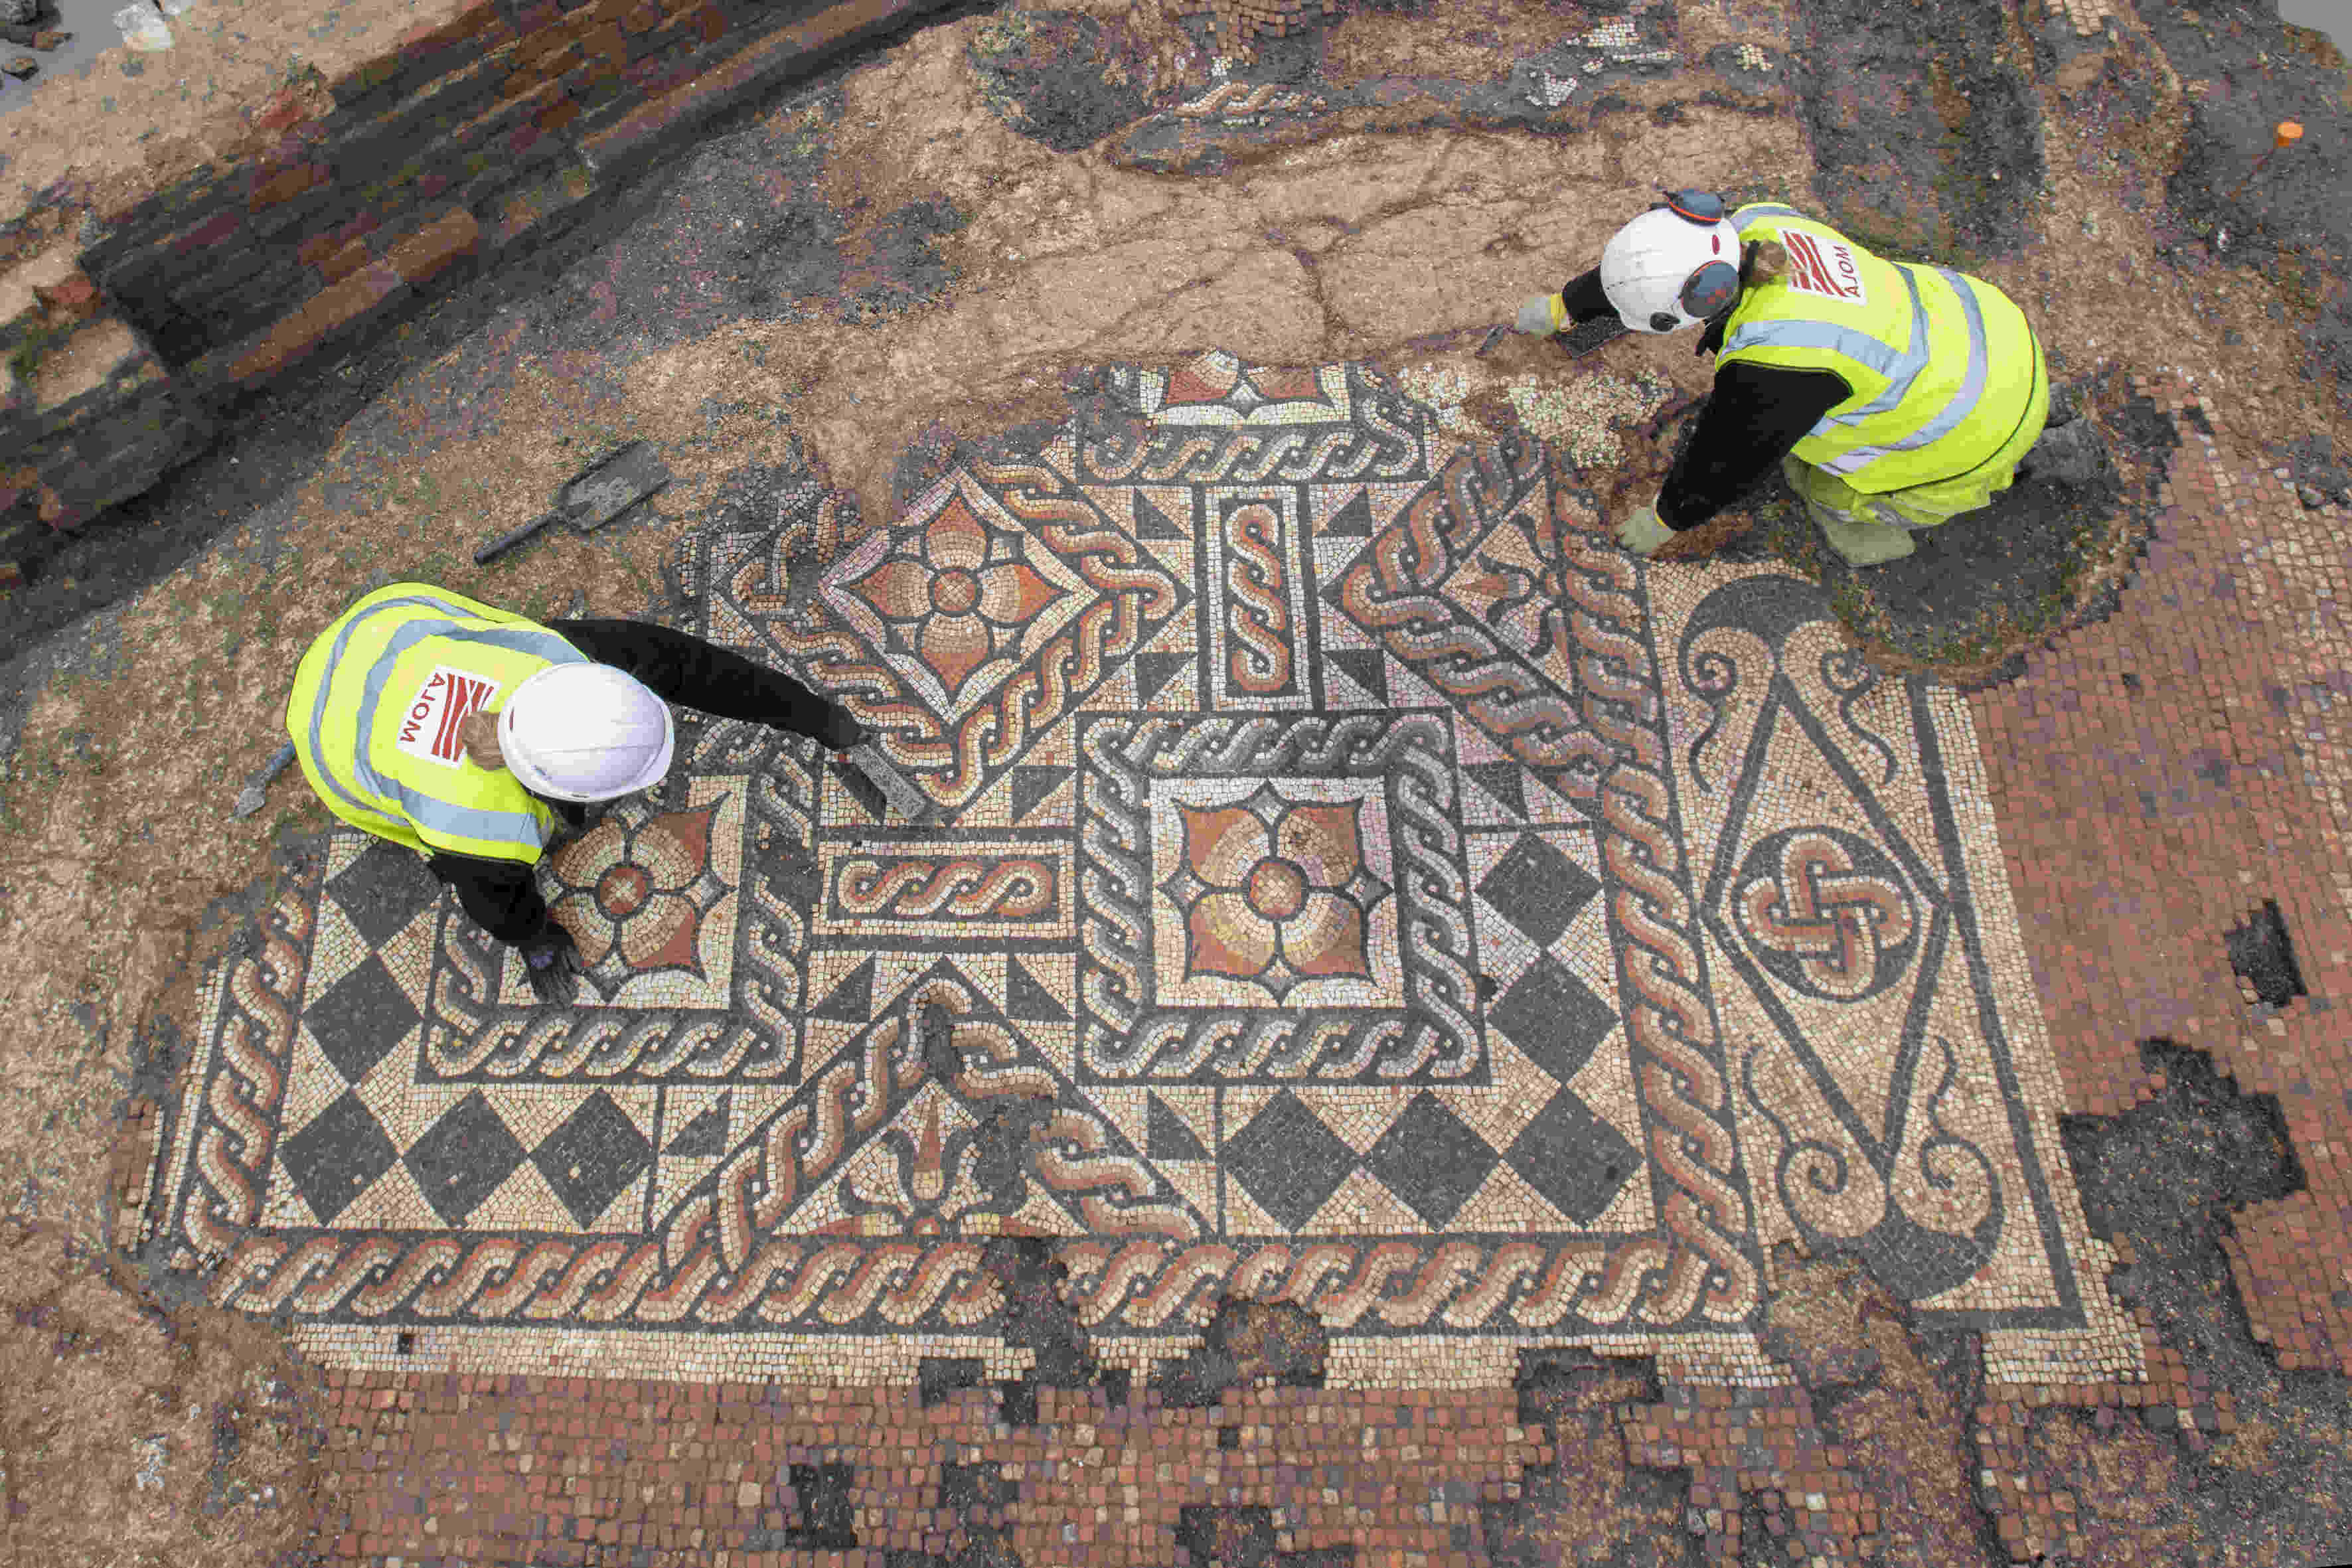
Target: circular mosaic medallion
1826, 912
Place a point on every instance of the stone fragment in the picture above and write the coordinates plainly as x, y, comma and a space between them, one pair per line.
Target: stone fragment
76, 297
2082, 70
11, 575
50, 40
22, 68
2068, 454
142, 28
2312, 497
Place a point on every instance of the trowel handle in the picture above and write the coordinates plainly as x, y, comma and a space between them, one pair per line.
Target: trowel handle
508, 541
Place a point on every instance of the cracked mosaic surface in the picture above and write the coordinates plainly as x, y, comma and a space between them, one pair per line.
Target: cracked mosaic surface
1365, 886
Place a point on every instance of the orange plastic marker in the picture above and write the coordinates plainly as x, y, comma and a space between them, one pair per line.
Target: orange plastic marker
2286, 134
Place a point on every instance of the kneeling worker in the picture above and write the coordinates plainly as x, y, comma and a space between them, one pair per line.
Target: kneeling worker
474, 737
1894, 396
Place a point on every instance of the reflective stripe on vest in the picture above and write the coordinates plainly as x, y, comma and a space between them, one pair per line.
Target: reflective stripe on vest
1938, 388
336, 716
1897, 367
1959, 407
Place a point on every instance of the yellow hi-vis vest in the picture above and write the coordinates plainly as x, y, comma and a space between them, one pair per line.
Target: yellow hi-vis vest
375, 713
1943, 365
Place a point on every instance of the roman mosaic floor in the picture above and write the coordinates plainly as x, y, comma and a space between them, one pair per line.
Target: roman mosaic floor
1364, 885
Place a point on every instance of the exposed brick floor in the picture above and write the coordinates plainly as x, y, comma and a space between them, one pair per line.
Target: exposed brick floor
2156, 777
430, 1469
570, 1470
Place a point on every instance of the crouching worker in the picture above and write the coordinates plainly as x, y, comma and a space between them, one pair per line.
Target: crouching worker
1894, 396
475, 737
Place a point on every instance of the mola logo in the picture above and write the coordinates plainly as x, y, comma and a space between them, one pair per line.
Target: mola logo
428, 728
1822, 267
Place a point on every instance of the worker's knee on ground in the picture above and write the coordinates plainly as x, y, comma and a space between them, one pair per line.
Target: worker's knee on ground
1864, 542
1825, 495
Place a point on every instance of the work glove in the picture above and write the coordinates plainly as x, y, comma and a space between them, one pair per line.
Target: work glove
552, 963
1543, 315
1644, 532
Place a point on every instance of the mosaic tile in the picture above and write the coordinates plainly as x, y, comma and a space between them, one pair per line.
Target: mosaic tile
338, 1156
1281, 926
355, 1021
1287, 1161
1856, 981
380, 905
1361, 885
1431, 1159
978, 889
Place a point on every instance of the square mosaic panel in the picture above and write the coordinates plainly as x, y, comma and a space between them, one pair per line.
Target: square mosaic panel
1280, 926
1363, 885
654, 895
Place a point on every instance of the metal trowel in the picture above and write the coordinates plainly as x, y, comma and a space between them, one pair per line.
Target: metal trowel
898, 789
256, 792
1579, 341
594, 497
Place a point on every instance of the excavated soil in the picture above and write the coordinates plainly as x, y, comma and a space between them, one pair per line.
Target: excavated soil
2285, 218
941, 244
176, 1432
1051, 75
1927, 135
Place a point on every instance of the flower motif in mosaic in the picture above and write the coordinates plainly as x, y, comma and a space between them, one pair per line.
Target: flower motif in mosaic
701, 962
1274, 935
1275, 891
635, 894
956, 593
951, 595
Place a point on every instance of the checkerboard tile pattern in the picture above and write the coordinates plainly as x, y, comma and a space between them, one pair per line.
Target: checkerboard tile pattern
1364, 886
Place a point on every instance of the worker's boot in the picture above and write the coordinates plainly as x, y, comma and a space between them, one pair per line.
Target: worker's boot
1860, 542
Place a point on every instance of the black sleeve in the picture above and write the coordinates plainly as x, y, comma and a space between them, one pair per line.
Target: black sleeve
1584, 300
1752, 419
683, 668
500, 895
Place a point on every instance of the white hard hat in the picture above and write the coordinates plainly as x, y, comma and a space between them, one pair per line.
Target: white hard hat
1667, 269
586, 731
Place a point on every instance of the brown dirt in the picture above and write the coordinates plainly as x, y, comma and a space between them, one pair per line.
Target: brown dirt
128, 1438
1904, 1427
1272, 1340
1593, 1507
2121, 1484
114, 845
1457, 40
